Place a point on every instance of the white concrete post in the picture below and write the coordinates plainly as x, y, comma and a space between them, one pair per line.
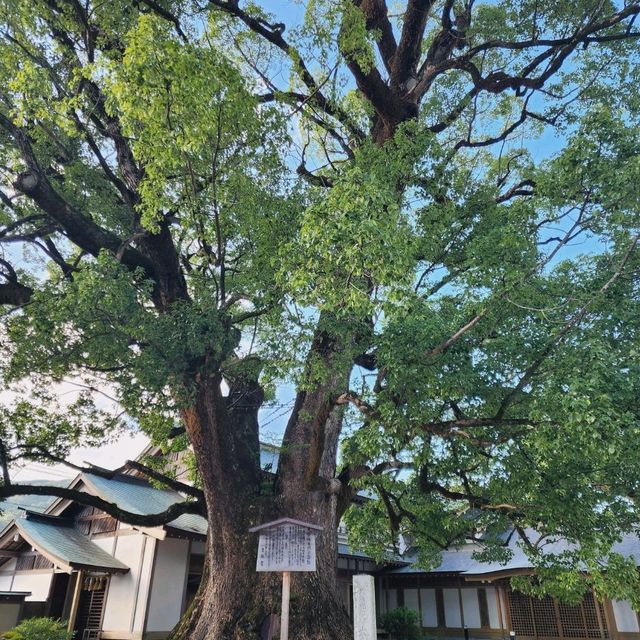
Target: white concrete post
364, 608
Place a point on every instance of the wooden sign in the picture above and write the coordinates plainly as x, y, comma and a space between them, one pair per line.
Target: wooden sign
286, 545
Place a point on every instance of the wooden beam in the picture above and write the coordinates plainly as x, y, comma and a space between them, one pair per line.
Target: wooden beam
10, 554
75, 602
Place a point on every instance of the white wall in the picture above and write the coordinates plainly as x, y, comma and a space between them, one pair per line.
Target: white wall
452, 608
122, 594
429, 608
492, 605
38, 583
471, 608
167, 589
10, 565
626, 617
411, 600
5, 582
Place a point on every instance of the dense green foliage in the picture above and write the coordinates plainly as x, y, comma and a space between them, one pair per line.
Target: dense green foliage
401, 624
39, 629
473, 265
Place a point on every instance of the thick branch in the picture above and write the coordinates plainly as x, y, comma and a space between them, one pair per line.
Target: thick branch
409, 49
176, 485
80, 229
14, 294
88, 500
377, 18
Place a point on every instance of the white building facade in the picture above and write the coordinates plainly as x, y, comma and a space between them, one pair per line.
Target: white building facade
112, 581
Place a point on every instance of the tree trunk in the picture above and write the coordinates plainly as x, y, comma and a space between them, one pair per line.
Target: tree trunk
234, 600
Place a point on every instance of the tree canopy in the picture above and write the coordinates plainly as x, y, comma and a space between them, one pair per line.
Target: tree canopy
424, 216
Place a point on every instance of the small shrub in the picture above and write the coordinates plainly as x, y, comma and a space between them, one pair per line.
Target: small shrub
39, 629
401, 624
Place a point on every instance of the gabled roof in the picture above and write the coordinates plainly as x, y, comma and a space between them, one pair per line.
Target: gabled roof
56, 539
11, 507
131, 493
189, 523
462, 562
138, 496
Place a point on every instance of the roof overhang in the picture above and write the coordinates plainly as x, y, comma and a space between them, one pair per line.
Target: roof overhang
490, 576
65, 547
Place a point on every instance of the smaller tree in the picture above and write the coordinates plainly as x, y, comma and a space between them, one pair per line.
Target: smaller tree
401, 624
39, 629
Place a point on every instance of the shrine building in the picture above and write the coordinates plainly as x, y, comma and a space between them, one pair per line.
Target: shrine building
112, 581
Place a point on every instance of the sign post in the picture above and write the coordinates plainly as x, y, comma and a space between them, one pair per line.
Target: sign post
286, 545
284, 609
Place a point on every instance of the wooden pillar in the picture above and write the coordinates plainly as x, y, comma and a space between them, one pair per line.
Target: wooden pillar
284, 615
76, 601
498, 592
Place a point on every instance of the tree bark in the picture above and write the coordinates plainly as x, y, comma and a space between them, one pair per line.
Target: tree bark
234, 600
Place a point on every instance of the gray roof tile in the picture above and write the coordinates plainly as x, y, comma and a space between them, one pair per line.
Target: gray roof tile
65, 546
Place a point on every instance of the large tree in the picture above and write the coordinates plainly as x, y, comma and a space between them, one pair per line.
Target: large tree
423, 216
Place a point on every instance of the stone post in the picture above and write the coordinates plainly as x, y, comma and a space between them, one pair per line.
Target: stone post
364, 608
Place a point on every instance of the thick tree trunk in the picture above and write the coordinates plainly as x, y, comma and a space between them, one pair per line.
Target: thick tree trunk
234, 600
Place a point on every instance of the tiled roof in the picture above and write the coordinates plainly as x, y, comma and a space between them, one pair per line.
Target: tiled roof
138, 496
56, 539
190, 522
132, 494
461, 561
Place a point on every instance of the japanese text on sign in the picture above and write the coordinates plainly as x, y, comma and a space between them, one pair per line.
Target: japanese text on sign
287, 547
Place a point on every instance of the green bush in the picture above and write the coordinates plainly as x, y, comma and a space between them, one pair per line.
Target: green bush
401, 624
39, 629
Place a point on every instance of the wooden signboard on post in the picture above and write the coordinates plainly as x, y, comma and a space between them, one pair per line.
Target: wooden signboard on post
286, 545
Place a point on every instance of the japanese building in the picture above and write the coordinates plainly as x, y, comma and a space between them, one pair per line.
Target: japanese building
112, 581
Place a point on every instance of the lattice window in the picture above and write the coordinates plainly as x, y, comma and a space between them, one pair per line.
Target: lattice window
25, 563
83, 526
521, 614
41, 562
582, 620
548, 618
94, 521
573, 624
104, 525
544, 617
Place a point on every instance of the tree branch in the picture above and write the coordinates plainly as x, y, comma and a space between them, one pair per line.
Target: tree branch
80, 229
377, 18
176, 485
570, 324
88, 500
406, 59
273, 34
